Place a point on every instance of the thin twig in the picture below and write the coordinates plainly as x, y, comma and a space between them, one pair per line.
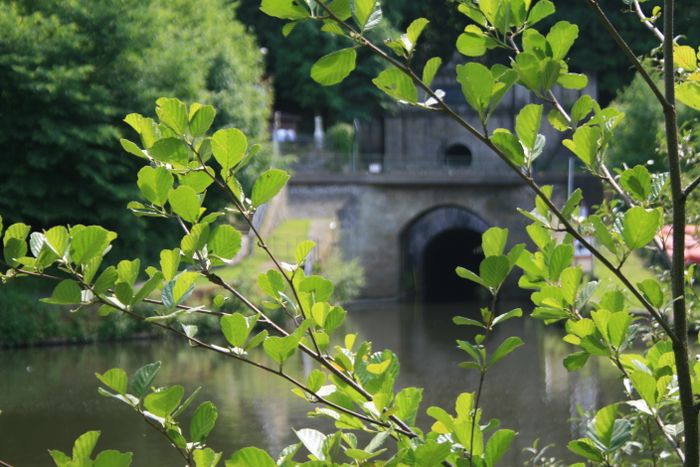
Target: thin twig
692, 186
646, 22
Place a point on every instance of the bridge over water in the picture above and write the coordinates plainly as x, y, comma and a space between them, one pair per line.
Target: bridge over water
414, 199
410, 230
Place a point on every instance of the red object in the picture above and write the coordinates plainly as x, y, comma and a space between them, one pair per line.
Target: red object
692, 242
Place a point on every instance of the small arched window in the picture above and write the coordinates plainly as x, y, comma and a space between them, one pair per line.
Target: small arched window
458, 155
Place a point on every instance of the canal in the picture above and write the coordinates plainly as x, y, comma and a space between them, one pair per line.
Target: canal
48, 396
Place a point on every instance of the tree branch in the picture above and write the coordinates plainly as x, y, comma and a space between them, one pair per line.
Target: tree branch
629, 53
646, 22
692, 186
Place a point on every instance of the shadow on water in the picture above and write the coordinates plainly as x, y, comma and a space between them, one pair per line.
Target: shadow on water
48, 395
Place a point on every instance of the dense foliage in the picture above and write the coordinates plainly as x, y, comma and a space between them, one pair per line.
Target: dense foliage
638, 329
69, 72
289, 61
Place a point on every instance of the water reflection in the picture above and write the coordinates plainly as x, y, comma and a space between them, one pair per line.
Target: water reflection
48, 396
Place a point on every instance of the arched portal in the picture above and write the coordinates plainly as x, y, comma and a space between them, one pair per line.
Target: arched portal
433, 245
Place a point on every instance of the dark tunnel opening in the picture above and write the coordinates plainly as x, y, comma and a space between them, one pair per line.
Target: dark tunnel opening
443, 253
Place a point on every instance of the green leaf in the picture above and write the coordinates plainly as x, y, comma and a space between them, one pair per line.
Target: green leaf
203, 422
67, 292
509, 145
496, 12
584, 447
163, 402
413, 32
583, 106
477, 84
540, 11
89, 242
473, 42
57, 239
585, 144
198, 180
284, 9
407, 403
463, 321
335, 67
527, 124
250, 457
206, 457
561, 37
397, 84
618, 324
185, 202
268, 185
173, 113
225, 242
576, 360
143, 377
516, 313
430, 69
312, 440
106, 280
497, 446
640, 226
645, 384
505, 348
256, 340
128, 271
171, 151
570, 279
469, 275
229, 147
280, 349
272, 282
367, 13
652, 291
112, 458
201, 119
341, 8
493, 270
576, 81
335, 318
303, 250
689, 94
114, 379
493, 241
169, 263
604, 422
236, 328
572, 203
132, 148
557, 120
321, 288
685, 57
155, 184
637, 182
84, 445
560, 259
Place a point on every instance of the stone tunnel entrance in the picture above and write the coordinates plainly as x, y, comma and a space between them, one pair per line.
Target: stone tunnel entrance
433, 245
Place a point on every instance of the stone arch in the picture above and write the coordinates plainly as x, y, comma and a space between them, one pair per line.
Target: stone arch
433, 243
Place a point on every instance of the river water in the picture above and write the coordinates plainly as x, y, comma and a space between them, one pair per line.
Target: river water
48, 396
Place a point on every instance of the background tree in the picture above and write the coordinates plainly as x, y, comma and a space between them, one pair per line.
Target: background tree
289, 61
71, 69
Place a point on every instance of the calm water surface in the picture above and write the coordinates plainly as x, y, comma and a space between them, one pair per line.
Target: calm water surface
48, 395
